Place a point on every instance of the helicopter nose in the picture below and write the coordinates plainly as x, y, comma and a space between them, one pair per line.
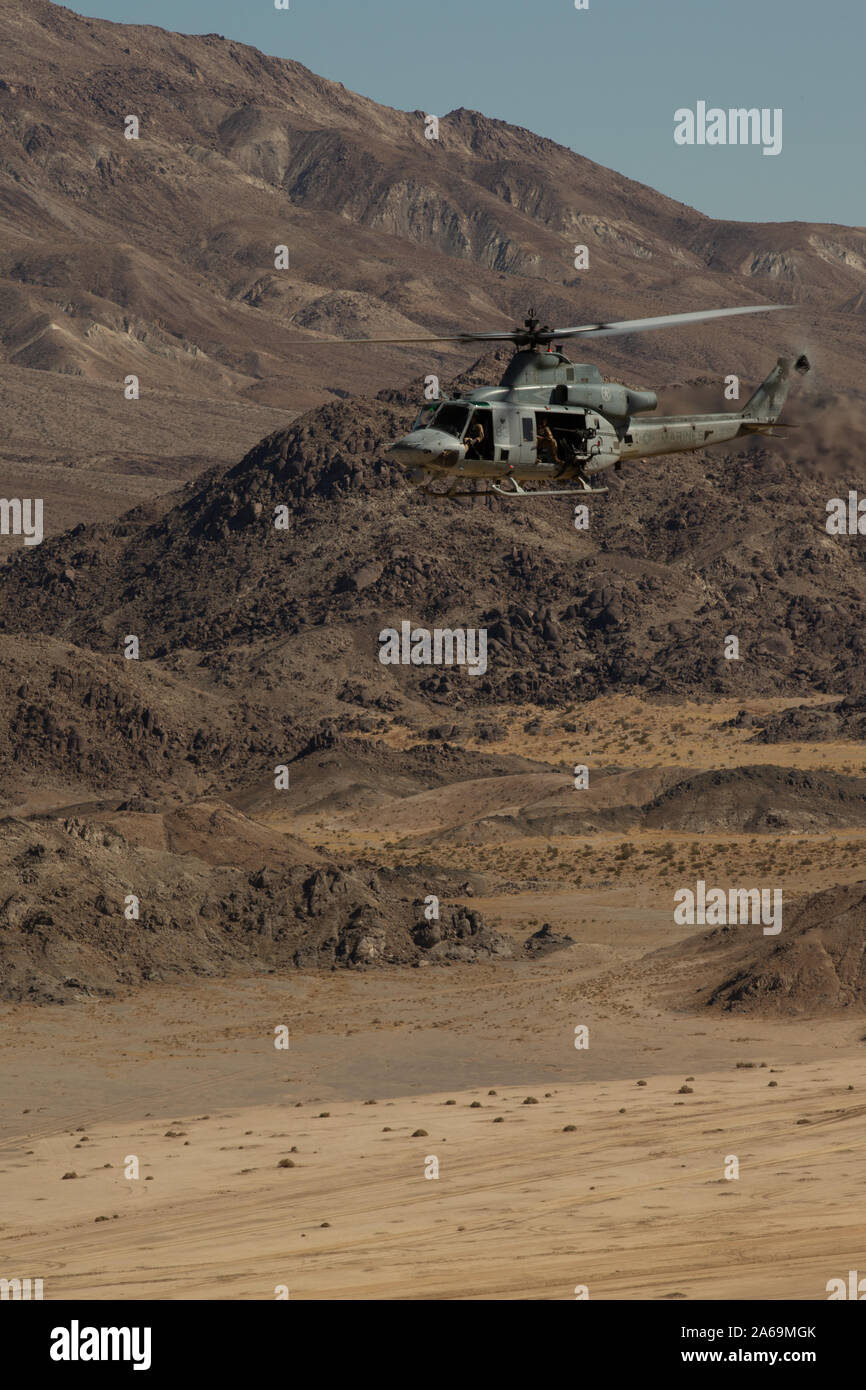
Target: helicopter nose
408, 453
426, 449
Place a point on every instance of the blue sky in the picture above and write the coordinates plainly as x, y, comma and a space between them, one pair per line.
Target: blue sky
605, 81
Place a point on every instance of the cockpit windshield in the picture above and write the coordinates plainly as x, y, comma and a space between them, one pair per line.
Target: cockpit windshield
452, 418
424, 418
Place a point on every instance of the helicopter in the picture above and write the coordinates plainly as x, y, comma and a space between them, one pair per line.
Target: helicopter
551, 420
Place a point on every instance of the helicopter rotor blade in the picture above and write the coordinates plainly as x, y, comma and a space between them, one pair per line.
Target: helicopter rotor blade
332, 342
599, 330
458, 338
548, 335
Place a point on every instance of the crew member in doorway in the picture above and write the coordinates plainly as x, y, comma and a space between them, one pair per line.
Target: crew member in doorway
547, 445
474, 439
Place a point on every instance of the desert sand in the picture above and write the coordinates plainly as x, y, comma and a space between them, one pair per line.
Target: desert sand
633, 1203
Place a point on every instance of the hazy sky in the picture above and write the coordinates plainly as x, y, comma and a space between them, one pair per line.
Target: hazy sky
606, 81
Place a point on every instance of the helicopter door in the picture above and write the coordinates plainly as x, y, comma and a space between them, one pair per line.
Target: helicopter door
526, 446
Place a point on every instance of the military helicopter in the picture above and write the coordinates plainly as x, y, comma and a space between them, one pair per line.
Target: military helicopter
552, 420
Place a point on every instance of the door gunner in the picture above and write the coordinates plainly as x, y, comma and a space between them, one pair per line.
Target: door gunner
547, 445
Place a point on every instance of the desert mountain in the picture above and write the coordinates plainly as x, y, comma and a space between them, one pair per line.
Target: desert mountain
67, 929
155, 255
677, 557
815, 966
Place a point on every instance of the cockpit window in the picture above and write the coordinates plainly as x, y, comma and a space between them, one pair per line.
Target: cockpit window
424, 418
451, 418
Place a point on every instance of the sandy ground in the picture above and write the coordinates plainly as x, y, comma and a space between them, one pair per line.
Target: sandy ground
633, 1203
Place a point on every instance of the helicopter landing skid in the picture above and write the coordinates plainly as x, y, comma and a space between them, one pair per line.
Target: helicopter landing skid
517, 491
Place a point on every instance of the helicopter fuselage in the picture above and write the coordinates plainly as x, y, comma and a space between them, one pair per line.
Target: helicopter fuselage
550, 418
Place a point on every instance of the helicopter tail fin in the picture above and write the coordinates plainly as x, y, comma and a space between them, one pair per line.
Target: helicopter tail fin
766, 404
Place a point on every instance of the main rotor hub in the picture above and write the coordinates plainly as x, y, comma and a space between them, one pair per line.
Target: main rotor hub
532, 334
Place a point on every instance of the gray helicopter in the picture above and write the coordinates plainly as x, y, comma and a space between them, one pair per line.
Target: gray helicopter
551, 420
